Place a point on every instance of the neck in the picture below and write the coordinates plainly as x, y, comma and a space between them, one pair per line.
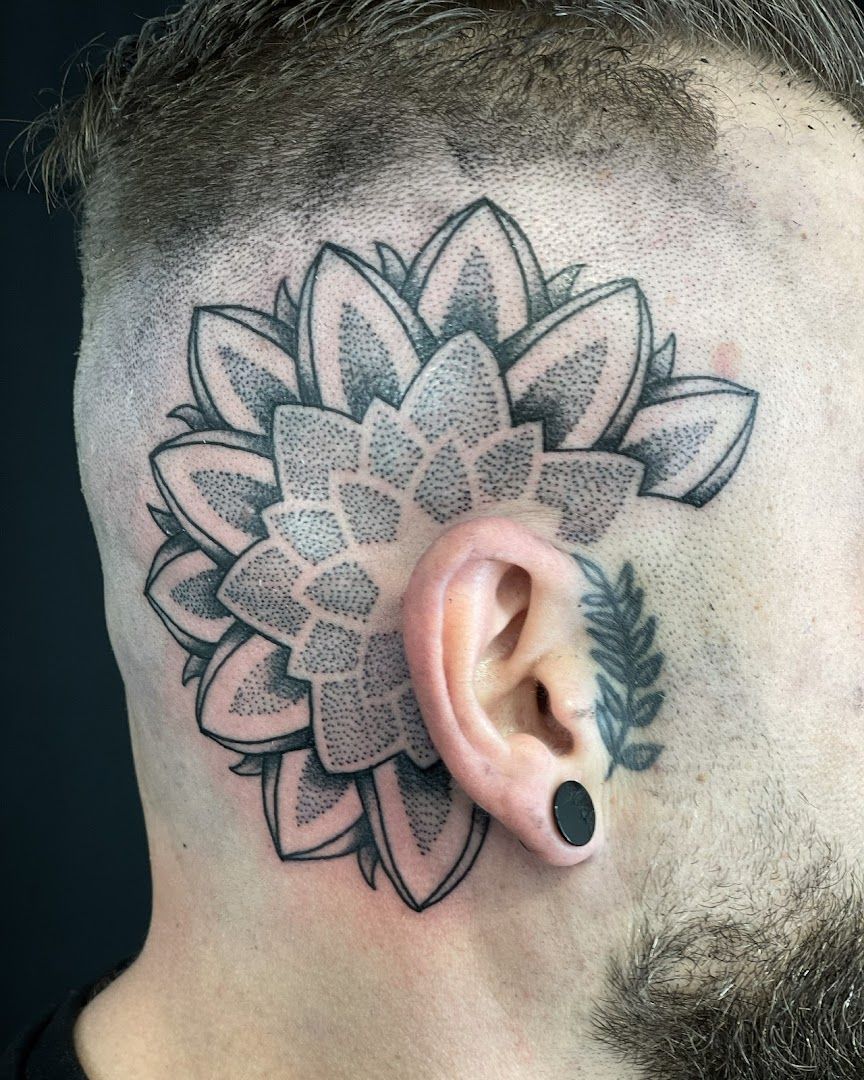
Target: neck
308, 978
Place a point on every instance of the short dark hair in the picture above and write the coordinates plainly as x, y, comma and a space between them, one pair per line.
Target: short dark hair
230, 102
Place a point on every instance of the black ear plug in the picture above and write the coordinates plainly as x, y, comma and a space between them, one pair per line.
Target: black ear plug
574, 813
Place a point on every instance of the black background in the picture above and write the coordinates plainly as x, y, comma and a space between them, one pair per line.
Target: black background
74, 892
74, 884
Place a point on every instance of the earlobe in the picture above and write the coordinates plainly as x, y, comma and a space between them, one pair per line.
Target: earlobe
500, 667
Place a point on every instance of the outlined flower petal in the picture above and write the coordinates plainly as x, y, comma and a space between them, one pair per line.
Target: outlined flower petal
662, 361
191, 416
262, 322
246, 699
357, 338
589, 488
216, 483
285, 310
460, 391
165, 520
479, 273
691, 434
393, 266
560, 287
240, 367
581, 369
194, 668
427, 831
259, 590
310, 444
249, 765
182, 588
368, 860
311, 814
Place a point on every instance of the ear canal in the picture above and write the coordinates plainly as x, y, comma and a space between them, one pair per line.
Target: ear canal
556, 735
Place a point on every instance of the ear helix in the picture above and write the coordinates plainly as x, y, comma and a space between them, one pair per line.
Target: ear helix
574, 815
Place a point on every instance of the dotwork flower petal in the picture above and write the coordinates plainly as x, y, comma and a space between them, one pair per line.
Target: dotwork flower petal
390, 453
182, 588
311, 813
581, 369
240, 367
479, 273
345, 589
246, 699
330, 649
504, 471
385, 666
314, 533
691, 434
310, 444
589, 488
373, 515
460, 391
351, 736
427, 831
358, 339
216, 484
444, 490
259, 590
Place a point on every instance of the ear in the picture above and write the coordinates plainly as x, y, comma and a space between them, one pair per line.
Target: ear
500, 662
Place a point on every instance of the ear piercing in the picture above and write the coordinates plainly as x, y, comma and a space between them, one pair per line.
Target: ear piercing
574, 813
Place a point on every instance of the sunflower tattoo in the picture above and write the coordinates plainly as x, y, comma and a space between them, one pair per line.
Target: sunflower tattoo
328, 445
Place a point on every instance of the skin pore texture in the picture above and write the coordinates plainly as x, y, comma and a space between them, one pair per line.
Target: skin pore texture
718, 909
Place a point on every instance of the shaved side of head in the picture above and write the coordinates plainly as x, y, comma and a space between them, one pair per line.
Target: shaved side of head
468, 404
169, 139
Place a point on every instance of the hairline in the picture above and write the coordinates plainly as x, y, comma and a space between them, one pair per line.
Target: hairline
113, 151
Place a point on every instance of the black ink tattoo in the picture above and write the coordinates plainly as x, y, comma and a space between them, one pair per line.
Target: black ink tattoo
330, 442
624, 641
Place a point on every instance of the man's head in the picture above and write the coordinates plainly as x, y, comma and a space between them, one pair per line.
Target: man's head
474, 395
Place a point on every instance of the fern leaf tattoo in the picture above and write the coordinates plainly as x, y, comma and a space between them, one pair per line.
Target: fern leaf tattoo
623, 650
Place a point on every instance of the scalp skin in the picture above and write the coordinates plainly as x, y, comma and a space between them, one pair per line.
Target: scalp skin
747, 251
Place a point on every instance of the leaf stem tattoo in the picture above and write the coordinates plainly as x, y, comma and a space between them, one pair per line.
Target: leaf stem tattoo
624, 641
